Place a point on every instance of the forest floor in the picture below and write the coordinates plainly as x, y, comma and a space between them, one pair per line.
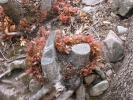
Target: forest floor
97, 22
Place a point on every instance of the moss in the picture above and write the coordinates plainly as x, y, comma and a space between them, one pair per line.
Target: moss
26, 80
26, 91
16, 50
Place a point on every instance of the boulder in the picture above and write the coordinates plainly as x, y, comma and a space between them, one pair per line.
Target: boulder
123, 8
113, 48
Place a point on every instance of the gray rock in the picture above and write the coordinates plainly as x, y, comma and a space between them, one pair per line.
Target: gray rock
99, 88
113, 48
34, 86
97, 80
100, 72
122, 7
46, 5
88, 9
91, 2
107, 66
122, 29
48, 61
90, 78
80, 92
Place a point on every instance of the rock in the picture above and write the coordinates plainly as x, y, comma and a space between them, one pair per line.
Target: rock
34, 86
87, 96
88, 9
107, 66
97, 80
90, 78
91, 2
46, 5
99, 88
80, 92
113, 48
122, 29
48, 61
122, 7
109, 73
100, 72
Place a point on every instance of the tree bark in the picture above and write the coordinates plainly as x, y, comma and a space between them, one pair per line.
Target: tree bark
121, 87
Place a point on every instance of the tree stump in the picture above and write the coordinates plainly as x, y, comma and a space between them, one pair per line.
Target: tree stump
78, 57
80, 54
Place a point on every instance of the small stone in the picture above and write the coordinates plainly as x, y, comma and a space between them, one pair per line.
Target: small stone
88, 9
99, 88
122, 29
34, 86
90, 78
107, 66
91, 2
97, 80
100, 72
109, 72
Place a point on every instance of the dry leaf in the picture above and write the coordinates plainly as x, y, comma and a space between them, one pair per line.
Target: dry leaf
12, 28
23, 43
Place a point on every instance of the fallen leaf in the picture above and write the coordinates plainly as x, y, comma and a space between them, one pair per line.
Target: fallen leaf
23, 43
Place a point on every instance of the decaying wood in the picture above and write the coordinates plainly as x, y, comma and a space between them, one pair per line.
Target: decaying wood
121, 87
80, 54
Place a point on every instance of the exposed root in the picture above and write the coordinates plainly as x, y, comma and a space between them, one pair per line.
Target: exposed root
42, 92
65, 95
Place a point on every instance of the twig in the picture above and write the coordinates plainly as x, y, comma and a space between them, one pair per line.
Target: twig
3, 55
16, 58
13, 47
7, 82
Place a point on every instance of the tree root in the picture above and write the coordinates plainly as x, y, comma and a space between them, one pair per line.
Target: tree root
65, 95
17, 64
42, 92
